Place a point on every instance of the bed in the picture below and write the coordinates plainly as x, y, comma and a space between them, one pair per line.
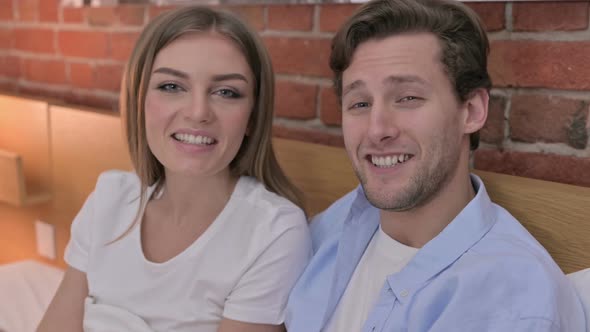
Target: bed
556, 214
26, 288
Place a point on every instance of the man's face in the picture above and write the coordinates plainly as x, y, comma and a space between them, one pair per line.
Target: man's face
404, 128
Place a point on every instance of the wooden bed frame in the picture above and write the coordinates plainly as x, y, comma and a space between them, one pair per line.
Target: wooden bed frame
558, 215
84, 143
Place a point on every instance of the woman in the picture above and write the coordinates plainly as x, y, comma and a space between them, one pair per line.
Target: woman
206, 234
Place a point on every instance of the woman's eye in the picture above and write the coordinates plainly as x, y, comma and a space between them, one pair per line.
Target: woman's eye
170, 87
227, 93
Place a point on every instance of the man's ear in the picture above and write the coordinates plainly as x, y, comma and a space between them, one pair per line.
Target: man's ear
476, 110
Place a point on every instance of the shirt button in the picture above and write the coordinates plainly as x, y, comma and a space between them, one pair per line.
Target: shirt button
404, 293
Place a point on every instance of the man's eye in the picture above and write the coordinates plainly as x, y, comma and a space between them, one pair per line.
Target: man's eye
170, 87
359, 105
409, 98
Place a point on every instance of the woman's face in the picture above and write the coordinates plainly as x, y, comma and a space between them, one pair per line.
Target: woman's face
198, 103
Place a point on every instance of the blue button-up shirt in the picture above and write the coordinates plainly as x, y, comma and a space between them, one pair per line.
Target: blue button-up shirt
483, 272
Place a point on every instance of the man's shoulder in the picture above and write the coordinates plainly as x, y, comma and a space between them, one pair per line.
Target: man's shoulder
330, 221
509, 239
508, 268
510, 253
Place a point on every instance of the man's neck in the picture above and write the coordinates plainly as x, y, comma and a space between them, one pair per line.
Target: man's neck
418, 226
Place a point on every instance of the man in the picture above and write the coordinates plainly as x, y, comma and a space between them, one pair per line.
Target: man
419, 246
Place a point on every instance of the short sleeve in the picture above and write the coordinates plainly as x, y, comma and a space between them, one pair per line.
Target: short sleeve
262, 292
78, 248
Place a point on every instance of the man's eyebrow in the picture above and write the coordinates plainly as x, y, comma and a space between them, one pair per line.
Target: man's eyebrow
170, 71
352, 86
391, 80
231, 76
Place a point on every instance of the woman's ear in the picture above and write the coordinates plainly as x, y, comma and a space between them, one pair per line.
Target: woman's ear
476, 110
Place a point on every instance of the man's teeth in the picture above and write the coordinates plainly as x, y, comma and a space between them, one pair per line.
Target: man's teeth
389, 161
191, 139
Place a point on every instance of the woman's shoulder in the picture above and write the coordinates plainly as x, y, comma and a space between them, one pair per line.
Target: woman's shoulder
254, 193
117, 186
265, 216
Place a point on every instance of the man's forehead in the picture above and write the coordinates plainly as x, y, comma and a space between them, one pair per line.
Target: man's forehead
403, 58
414, 47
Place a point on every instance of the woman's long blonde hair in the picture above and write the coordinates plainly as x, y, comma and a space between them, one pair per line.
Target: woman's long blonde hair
255, 157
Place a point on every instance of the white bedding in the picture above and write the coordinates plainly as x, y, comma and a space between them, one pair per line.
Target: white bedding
26, 288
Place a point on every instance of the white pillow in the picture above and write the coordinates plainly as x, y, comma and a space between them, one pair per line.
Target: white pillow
26, 289
581, 281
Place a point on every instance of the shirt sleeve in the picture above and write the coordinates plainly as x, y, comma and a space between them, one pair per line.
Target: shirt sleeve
78, 248
262, 292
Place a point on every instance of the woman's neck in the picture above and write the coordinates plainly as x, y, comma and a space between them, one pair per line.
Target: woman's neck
189, 199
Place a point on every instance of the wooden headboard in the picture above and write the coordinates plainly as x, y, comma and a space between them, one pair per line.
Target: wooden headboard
85, 143
63, 150
557, 215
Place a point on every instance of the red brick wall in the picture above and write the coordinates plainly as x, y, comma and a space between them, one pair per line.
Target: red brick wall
540, 64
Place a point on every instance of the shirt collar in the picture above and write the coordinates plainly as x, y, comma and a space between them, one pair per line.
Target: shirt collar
359, 205
464, 231
362, 221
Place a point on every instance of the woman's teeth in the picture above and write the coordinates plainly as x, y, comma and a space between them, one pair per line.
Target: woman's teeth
192, 139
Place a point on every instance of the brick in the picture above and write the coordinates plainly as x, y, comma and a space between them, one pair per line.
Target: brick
48, 10
333, 16
154, 11
108, 77
46, 91
6, 38
34, 40
9, 87
122, 44
86, 44
549, 119
102, 16
28, 10
550, 167
290, 17
295, 100
102, 102
9, 66
330, 108
299, 56
6, 13
308, 135
493, 130
44, 71
81, 75
131, 14
252, 15
73, 15
533, 64
492, 14
550, 16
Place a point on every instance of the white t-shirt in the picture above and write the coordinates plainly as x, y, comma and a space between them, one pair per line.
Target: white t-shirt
242, 267
384, 256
